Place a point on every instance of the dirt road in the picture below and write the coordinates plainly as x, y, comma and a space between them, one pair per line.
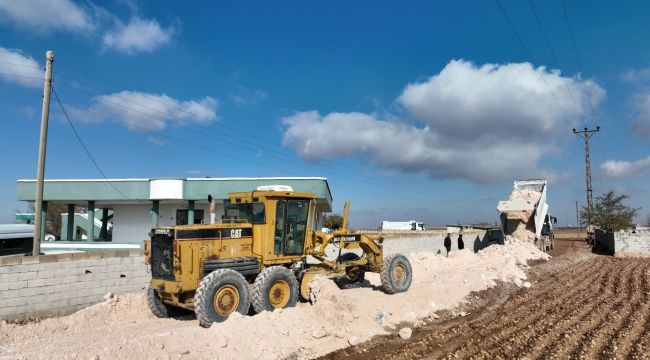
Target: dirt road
581, 306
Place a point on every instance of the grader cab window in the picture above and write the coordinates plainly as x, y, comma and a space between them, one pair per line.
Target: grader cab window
290, 226
252, 213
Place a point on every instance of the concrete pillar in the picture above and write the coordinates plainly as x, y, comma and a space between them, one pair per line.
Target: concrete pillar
190, 212
70, 228
44, 220
91, 221
103, 234
155, 209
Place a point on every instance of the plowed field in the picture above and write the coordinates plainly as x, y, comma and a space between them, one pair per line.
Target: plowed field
581, 306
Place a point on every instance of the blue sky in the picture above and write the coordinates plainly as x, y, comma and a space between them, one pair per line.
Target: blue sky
427, 111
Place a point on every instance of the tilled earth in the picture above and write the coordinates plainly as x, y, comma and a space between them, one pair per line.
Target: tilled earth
581, 306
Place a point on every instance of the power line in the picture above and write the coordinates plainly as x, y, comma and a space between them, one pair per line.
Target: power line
556, 62
83, 145
528, 53
281, 157
21, 65
575, 51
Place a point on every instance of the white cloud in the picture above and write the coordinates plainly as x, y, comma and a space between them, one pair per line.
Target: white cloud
620, 168
636, 75
478, 123
44, 15
157, 141
243, 96
147, 112
19, 68
641, 122
139, 35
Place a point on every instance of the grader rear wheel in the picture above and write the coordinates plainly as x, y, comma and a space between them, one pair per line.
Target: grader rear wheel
220, 294
275, 288
396, 274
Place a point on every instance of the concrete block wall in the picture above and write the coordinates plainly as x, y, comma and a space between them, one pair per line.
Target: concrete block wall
406, 245
47, 285
632, 243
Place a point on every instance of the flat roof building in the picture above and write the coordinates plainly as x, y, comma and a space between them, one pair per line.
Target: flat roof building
129, 208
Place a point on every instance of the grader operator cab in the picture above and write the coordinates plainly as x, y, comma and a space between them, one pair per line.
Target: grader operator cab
264, 253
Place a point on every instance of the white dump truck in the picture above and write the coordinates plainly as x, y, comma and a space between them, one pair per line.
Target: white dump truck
402, 226
525, 214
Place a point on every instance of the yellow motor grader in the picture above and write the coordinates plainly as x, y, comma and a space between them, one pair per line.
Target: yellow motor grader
264, 253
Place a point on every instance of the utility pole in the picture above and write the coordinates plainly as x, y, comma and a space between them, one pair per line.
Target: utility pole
577, 218
42, 149
586, 134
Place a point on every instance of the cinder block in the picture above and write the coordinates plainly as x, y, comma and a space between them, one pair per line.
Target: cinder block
93, 299
107, 282
98, 291
61, 288
36, 283
53, 266
17, 301
16, 285
5, 278
45, 274
54, 281
70, 279
28, 275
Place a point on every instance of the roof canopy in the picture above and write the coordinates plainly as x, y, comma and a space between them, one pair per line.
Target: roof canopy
126, 191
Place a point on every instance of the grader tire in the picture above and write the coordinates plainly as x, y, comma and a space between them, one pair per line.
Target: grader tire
221, 293
158, 307
396, 274
351, 277
275, 288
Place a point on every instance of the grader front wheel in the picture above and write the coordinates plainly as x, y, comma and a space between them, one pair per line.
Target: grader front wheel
275, 288
220, 294
396, 274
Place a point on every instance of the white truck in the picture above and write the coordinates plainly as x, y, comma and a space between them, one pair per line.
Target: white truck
525, 215
402, 226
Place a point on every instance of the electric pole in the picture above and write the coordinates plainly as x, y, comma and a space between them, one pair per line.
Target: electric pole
586, 134
42, 149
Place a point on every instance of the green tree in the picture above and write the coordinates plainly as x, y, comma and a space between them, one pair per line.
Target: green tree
610, 213
333, 222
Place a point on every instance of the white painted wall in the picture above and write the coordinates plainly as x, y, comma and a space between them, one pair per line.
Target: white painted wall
132, 223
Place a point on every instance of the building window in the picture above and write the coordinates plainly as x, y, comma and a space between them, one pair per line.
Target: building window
181, 216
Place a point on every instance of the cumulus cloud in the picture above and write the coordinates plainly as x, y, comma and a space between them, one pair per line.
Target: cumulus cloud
481, 123
21, 69
41, 15
636, 75
147, 112
620, 168
139, 35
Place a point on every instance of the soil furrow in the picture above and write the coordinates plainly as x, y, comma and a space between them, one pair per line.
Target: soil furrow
622, 342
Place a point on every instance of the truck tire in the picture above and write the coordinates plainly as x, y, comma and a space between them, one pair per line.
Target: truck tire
158, 307
396, 274
221, 293
351, 276
275, 288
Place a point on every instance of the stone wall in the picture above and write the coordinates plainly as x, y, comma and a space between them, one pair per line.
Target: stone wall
632, 243
61, 284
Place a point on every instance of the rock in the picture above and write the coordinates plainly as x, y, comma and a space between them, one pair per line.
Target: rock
109, 295
405, 333
463, 313
222, 342
353, 340
318, 334
285, 332
381, 317
186, 352
526, 284
433, 304
435, 316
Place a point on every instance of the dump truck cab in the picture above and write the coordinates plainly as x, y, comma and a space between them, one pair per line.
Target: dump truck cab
262, 241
